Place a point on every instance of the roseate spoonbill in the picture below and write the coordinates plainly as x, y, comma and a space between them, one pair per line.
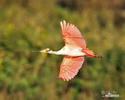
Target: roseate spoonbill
73, 51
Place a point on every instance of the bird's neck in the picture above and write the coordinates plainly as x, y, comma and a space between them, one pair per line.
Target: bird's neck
53, 52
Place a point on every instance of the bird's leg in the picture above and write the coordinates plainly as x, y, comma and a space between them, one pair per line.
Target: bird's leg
96, 56
93, 55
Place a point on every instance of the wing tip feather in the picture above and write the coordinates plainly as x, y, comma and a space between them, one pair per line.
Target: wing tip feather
65, 78
63, 25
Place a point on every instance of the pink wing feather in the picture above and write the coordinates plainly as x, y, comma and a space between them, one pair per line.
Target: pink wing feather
70, 67
71, 35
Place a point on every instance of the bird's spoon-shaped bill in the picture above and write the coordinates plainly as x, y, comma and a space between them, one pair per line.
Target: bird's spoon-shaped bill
43, 51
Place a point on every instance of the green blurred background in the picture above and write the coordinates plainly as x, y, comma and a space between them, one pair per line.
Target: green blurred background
27, 25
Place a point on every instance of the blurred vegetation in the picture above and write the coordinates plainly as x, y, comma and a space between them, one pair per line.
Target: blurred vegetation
27, 25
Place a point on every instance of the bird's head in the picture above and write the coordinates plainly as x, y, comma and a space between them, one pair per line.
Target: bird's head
45, 50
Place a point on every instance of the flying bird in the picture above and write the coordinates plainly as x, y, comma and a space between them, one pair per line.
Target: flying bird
73, 51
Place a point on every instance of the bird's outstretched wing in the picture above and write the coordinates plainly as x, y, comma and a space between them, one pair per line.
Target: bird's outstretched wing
70, 67
71, 35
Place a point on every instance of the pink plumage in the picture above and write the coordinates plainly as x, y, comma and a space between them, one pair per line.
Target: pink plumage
70, 67
71, 35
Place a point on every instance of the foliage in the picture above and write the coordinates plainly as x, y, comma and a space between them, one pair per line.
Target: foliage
34, 25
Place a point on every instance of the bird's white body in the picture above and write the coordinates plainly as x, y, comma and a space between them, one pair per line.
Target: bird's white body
71, 51
66, 50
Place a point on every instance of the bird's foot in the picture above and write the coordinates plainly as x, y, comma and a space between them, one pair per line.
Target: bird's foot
98, 56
